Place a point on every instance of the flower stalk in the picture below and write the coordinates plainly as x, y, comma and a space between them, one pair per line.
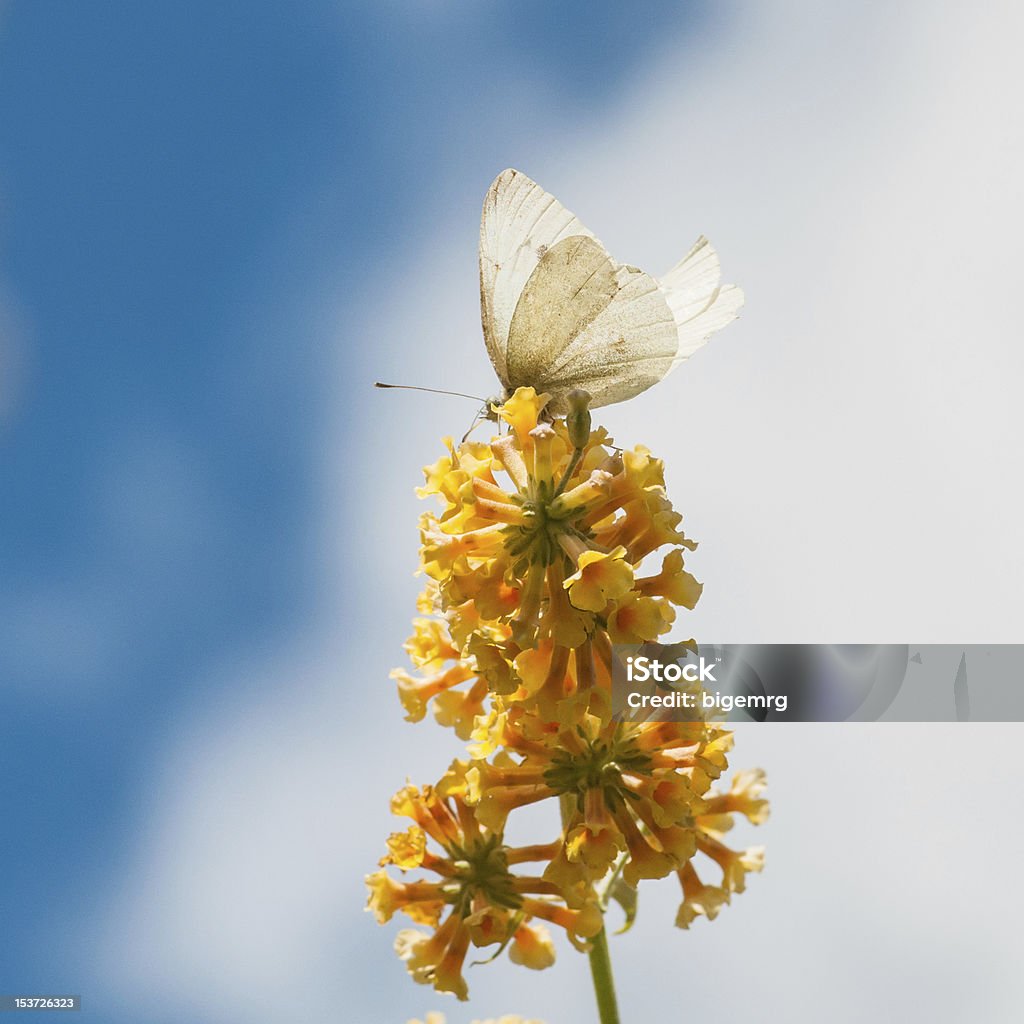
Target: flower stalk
604, 983
551, 546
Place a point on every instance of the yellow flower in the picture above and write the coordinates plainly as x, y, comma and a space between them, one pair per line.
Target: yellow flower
532, 947
673, 582
698, 898
640, 618
415, 692
537, 547
460, 709
735, 864
599, 578
634, 789
744, 797
478, 898
437, 959
430, 646
406, 849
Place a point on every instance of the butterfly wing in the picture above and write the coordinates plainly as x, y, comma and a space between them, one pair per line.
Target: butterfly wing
699, 305
571, 286
558, 313
519, 225
625, 349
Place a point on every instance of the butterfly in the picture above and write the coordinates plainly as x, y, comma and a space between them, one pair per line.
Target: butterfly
559, 313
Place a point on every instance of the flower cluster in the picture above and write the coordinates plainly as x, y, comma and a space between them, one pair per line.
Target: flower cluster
479, 897
551, 547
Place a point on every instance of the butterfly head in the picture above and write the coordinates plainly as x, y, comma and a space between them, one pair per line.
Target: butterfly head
488, 410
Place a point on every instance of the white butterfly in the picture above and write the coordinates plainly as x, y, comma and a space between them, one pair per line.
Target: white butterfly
559, 313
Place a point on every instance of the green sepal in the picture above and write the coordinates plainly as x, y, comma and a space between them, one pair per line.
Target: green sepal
627, 897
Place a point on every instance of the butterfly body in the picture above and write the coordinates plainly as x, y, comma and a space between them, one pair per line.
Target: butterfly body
559, 313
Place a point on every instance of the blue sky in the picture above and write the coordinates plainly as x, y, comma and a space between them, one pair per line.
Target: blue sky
177, 182
220, 222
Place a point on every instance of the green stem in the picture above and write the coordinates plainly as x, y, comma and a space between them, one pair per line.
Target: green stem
600, 958
604, 984
577, 457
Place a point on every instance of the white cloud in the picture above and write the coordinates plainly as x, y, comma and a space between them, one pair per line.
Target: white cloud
845, 455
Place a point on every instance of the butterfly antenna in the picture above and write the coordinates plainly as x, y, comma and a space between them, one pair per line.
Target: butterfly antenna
433, 391
477, 420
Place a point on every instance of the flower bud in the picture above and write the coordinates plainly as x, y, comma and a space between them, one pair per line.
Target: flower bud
577, 419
